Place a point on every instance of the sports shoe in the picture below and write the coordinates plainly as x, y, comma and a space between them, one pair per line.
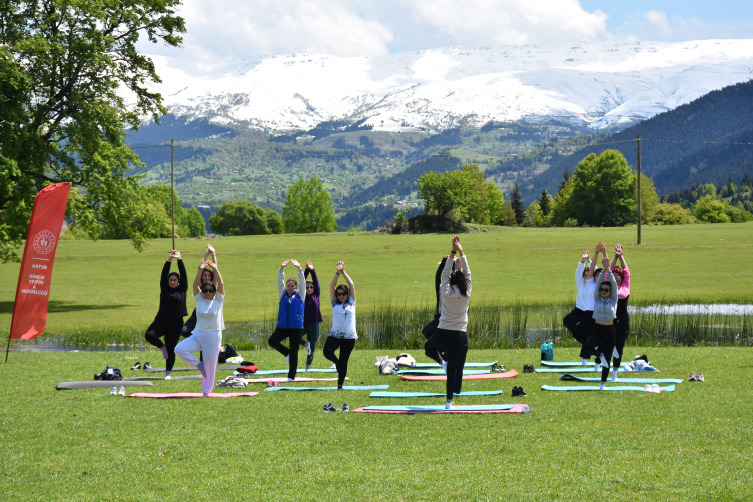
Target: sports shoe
700, 378
97, 376
648, 388
121, 392
346, 407
655, 388
521, 392
329, 408
136, 366
333, 367
147, 366
168, 377
692, 377
515, 392
449, 406
114, 391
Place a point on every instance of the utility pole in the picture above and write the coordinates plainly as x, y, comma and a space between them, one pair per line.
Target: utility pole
172, 188
639, 189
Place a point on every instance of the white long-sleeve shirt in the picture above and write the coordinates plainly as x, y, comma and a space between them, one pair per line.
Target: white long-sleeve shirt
454, 305
584, 299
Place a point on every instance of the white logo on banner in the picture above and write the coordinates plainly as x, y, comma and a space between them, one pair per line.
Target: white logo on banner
44, 242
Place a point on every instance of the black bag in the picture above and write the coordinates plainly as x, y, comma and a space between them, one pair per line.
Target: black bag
431, 328
110, 373
226, 353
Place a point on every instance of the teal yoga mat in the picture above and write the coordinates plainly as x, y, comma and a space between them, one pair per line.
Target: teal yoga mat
467, 365
434, 394
573, 378
345, 387
285, 372
575, 363
439, 372
583, 369
669, 388
482, 407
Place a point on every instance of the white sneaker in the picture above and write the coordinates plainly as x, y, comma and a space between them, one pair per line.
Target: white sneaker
449, 406
333, 367
168, 377
648, 388
614, 377
122, 391
655, 389
603, 386
114, 391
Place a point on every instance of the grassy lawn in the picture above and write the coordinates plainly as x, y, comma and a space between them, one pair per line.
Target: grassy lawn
108, 285
694, 443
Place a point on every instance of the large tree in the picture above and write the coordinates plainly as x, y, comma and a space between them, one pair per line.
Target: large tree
308, 208
245, 218
465, 190
518, 205
66, 67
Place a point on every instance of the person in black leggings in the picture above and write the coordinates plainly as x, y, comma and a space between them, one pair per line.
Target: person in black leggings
342, 335
622, 319
172, 308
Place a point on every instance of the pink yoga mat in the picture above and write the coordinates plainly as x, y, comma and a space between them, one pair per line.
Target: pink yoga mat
486, 376
285, 379
193, 394
518, 408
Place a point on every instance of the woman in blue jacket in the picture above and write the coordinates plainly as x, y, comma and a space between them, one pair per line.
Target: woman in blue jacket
289, 316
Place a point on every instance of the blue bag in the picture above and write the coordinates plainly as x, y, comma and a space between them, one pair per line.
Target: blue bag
547, 351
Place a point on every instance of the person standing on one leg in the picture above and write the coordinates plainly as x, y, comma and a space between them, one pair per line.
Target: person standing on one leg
289, 316
207, 336
582, 275
312, 315
342, 335
451, 336
622, 319
172, 309
601, 343
206, 276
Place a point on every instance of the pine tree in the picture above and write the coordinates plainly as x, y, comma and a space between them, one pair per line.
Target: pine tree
565, 176
516, 200
545, 202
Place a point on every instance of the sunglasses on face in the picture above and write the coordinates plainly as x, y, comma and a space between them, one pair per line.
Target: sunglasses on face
604, 290
309, 287
207, 291
340, 293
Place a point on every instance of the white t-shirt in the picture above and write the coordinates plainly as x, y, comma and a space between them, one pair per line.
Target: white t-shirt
209, 312
344, 319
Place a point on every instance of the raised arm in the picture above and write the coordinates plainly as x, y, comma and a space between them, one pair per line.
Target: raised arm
197, 279
281, 279
457, 246
183, 275
163, 284
596, 259
218, 278
438, 279
210, 250
351, 286
314, 278
333, 284
581, 267
444, 287
301, 280
618, 254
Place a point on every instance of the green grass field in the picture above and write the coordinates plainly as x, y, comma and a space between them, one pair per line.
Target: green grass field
108, 285
693, 444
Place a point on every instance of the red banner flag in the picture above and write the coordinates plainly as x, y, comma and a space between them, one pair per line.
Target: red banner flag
32, 294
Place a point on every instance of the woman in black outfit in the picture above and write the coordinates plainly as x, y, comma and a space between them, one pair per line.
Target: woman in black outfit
172, 308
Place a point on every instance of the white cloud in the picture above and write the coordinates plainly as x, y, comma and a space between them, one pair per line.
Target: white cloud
659, 19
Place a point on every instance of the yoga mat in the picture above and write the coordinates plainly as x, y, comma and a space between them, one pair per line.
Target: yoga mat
345, 387
573, 378
99, 384
285, 380
585, 369
191, 368
669, 388
193, 394
467, 365
434, 394
145, 378
410, 410
576, 363
285, 372
489, 376
438, 372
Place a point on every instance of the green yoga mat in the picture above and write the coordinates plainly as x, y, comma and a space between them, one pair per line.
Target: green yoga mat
583, 369
434, 394
439, 372
669, 388
575, 363
345, 387
482, 407
573, 378
467, 365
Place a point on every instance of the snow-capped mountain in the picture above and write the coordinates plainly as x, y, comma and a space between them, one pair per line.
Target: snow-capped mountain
604, 85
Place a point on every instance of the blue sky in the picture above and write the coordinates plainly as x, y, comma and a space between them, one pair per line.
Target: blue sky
348, 28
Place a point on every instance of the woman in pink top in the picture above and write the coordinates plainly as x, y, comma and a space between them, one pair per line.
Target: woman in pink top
622, 319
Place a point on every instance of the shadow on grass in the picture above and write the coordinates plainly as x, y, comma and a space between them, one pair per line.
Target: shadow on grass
60, 307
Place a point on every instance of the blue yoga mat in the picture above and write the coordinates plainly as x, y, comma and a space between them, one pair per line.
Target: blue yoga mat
345, 387
434, 394
569, 377
575, 363
483, 407
669, 388
467, 365
439, 372
285, 372
583, 369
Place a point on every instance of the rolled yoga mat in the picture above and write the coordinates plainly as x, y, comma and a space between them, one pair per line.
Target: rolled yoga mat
586, 369
410, 410
670, 388
467, 365
285, 380
285, 372
489, 376
435, 394
101, 384
193, 394
191, 368
345, 387
573, 378
576, 363
438, 372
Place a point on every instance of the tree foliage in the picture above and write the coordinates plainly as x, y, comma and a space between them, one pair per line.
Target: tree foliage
63, 115
516, 201
464, 191
245, 218
308, 208
670, 214
188, 222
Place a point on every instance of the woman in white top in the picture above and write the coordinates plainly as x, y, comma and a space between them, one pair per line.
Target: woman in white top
207, 336
451, 336
342, 335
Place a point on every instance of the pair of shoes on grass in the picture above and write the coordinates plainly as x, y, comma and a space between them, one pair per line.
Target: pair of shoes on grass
528, 368
696, 377
137, 366
498, 368
652, 388
273, 383
518, 392
329, 408
114, 391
